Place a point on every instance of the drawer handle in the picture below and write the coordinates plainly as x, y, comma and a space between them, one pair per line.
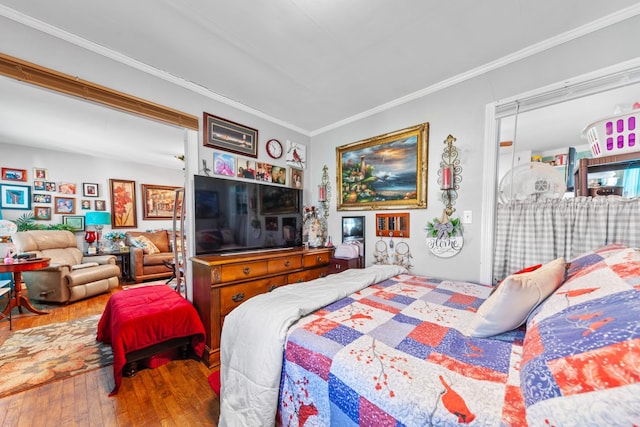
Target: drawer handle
246, 270
319, 258
272, 287
238, 297
287, 263
299, 280
323, 274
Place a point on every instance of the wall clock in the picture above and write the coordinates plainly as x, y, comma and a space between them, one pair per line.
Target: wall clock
274, 148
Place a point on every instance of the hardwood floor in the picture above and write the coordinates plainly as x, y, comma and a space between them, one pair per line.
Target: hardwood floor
175, 394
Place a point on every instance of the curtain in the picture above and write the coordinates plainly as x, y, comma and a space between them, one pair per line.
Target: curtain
533, 232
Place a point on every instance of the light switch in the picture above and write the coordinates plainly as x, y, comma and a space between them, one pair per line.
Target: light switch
467, 217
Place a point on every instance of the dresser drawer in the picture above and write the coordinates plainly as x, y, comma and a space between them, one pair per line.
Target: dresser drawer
318, 258
279, 265
233, 272
234, 295
306, 275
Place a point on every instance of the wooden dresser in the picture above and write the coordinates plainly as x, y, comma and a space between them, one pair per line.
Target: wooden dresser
221, 283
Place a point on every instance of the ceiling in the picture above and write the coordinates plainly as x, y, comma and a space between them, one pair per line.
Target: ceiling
306, 64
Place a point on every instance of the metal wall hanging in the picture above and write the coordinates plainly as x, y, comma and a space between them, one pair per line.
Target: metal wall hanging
444, 234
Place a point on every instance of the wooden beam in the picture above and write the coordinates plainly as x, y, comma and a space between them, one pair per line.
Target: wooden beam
64, 83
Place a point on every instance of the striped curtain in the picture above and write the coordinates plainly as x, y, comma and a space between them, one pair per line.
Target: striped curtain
532, 232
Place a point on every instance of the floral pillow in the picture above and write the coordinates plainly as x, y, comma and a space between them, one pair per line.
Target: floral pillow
145, 244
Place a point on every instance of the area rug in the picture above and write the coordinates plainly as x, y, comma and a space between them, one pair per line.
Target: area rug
35, 356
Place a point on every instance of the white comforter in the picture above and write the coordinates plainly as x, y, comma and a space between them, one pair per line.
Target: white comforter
253, 337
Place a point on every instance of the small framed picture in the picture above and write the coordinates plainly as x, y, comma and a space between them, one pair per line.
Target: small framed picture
296, 155
40, 174
224, 164
15, 197
100, 205
297, 178
10, 174
65, 205
89, 189
279, 175
39, 185
77, 222
41, 198
42, 213
50, 186
67, 188
85, 204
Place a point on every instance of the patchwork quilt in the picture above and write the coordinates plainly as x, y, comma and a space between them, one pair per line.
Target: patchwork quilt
394, 354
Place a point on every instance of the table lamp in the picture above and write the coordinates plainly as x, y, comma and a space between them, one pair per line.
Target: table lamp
98, 220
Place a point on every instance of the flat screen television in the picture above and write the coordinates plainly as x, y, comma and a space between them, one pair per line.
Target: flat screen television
240, 216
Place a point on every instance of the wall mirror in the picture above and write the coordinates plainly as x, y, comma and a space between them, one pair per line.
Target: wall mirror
353, 230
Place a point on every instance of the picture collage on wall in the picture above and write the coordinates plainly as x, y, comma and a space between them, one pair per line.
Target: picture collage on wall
235, 166
46, 196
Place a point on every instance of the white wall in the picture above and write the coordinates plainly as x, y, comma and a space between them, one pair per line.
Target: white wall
78, 169
458, 110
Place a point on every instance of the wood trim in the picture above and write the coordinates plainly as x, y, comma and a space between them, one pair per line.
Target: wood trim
64, 83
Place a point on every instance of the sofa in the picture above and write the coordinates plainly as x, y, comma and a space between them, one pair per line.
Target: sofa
149, 251
70, 275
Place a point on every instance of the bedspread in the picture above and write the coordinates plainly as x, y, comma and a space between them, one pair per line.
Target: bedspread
137, 318
393, 354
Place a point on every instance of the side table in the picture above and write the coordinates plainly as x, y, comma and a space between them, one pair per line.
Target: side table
336, 265
122, 258
17, 299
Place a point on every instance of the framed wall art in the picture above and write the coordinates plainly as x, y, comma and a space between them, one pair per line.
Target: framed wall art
297, 178
50, 186
85, 204
226, 135
384, 172
10, 174
67, 188
89, 189
77, 222
296, 155
100, 205
158, 201
123, 203
42, 213
64, 205
41, 198
39, 185
40, 174
15, 197
224, 164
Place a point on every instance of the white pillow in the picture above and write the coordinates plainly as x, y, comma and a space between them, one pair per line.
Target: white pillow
511, 303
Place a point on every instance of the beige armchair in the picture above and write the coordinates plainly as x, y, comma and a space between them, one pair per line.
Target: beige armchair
70, 276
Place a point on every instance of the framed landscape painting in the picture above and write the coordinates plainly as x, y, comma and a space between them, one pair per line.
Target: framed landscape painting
158, 201
226, 135
77, 222
123, 203
384, 172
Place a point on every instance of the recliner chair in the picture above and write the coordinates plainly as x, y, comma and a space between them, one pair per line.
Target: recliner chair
70, 276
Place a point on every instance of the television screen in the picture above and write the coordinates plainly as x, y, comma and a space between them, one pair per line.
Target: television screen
233, 215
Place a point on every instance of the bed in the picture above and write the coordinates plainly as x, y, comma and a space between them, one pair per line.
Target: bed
148, 320
399, 349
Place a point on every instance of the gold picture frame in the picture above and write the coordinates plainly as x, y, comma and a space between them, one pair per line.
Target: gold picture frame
384, 172
158, 201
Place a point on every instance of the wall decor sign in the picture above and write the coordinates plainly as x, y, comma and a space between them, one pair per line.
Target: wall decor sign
10, 174
64, 205
158, 201
384, 172
226, 135
15, 197
123, 203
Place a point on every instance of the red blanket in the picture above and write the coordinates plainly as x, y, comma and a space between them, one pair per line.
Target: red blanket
140, 317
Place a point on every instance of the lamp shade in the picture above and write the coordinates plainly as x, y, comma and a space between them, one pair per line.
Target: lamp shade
97, 218
7, 228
